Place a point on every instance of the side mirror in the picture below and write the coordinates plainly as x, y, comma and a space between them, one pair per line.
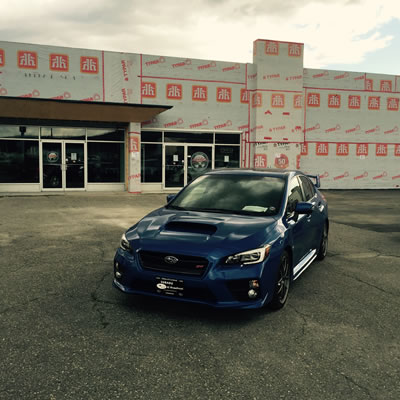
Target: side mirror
170, 197
304, 208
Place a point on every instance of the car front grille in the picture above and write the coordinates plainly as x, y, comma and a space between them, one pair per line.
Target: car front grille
185, 265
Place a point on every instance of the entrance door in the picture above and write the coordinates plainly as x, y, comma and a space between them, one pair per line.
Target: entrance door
177, 171
63, 165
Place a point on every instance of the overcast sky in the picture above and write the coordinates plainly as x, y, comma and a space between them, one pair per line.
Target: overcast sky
353, 35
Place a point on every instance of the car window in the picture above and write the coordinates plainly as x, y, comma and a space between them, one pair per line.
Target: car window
295, 194
243, 194
308, 188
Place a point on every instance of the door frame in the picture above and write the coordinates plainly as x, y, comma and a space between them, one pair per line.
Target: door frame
185, 160
63, 165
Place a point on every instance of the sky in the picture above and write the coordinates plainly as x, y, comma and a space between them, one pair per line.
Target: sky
350, 35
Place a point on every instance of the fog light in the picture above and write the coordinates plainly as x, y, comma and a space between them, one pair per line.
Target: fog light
252, 294
254, 284
118, 274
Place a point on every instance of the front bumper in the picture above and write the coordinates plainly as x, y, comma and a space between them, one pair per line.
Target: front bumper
220, 287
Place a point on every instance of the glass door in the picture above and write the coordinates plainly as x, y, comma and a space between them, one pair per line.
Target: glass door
63, 165
199, 161
52, 166
174, 166
74, 166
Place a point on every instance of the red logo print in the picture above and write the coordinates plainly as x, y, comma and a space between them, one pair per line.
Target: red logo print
334, 100
304, 149
2, 58
199, 93
313, 99
281, 161
224, 94
322, 149
244, 96
133, 144
277, 100
294, 50
354, 102
369, 84
374, 103
362, 149
342, 149
393, 104
89, 65
271, 48
59, 62
174, 91
381, 150
298, 101
149, 89
256, 100
27, 59
260, 161
397, 150
386, 86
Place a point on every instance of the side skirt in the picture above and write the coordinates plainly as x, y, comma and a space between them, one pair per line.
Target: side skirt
304, 264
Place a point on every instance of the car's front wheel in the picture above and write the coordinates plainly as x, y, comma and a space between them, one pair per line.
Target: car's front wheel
282, 285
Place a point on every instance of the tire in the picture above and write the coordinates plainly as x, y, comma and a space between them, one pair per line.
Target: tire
282, 285
323, 247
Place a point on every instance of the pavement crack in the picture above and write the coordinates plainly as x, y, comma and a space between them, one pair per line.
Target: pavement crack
350, 381
22, 306
96, 302
303, 317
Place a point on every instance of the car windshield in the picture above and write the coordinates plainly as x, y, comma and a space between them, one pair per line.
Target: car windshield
232, 193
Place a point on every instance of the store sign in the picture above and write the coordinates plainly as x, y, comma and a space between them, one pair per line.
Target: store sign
27, 59
199, 161
59, 62
89, 65
52, 156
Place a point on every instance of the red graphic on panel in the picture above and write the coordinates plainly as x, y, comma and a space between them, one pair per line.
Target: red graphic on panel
260, 161
277, 100
2, 58
334, 100
256, 100
354, 102
342, 149
386, 86
297, 101
271, 48
174, 91
369, 84
59, 62
27, 59
397, 150
362, 149
322, 149
313, 99
89, 65
199, 93
392, 104
294, 50
381, 150
304, 149
134, 144
149, 89
374, 103
281, 161
224, 94
244, 96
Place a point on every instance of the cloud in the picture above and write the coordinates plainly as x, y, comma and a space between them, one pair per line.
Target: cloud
340, 31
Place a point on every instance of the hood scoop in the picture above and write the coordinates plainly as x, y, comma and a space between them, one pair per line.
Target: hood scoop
190, 227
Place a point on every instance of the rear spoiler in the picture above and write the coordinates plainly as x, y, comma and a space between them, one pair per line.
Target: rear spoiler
317, 180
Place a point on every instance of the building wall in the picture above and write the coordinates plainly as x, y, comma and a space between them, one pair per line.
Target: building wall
343, 126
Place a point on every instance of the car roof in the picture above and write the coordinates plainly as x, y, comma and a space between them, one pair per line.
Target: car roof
278, 173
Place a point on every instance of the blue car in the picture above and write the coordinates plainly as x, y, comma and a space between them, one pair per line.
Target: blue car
232, 238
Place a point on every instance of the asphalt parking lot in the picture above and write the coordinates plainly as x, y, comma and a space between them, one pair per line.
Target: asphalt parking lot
67, 334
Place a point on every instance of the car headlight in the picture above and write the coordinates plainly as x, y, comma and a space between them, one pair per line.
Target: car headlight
249, 257
124, 244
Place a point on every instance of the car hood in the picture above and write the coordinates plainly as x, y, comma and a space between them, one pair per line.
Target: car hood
203, 233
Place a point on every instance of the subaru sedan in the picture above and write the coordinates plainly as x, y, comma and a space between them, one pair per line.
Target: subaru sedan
232, 238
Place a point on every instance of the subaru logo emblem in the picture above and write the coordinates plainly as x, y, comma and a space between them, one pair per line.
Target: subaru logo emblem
170, 260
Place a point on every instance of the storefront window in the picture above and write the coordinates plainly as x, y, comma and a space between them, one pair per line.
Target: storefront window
19, 131
227, 138
106, 134
150, 136
19, 161
105, 162
63, 133
227, 156
151, 162
188, 137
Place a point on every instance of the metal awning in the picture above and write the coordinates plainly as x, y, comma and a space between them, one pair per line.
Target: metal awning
71, 110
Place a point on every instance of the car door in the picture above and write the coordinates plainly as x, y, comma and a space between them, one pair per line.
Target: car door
315, 222
298, 224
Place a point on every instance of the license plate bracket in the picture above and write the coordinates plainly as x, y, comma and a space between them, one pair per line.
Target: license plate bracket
169, 286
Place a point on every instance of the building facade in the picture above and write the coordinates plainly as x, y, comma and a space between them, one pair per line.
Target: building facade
76, 119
